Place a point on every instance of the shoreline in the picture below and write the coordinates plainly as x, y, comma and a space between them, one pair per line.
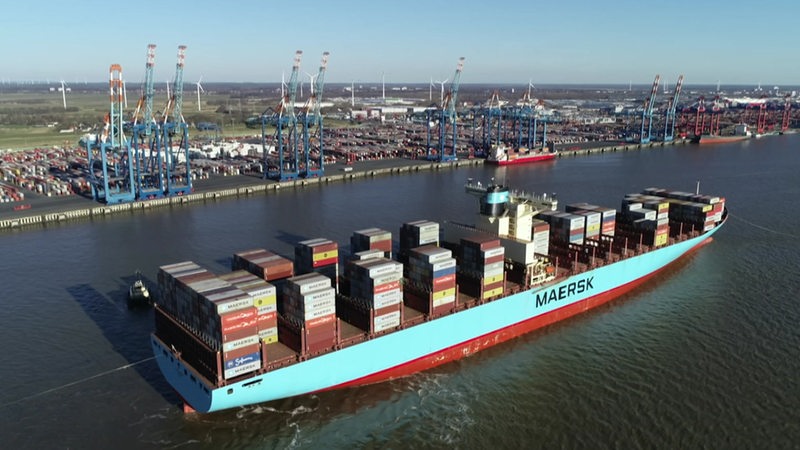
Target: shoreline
75, 207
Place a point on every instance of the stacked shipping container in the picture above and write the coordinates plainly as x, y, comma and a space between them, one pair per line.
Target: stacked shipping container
481, 271
431, 279
375, 302
309, 303
318, 255
371, 239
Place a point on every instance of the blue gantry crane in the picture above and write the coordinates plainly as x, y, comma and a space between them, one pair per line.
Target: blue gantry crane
669, 117
283, 143
312, 130
175, 136
145, 139
441, 122
647, 113
111, 154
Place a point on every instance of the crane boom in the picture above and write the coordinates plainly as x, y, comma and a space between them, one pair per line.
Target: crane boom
288, 101
177, 87
148, 89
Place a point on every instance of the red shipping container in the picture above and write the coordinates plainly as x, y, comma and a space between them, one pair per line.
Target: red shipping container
321, 321
240, 324
322, 248
235, 317
240, 334
325, 262
239, 352
388, 309
444, 282
271, 317
494, 259
381, 288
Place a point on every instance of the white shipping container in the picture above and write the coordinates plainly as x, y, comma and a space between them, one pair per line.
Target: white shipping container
308, 283
447, 299
267, 332
387, 298
386, 321
239, 343
444, 264
492, 252
243, 369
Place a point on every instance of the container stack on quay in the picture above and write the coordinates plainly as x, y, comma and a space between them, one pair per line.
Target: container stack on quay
264, 297
431, 285
375, 299
372, 239
308, 308
481, 271
318, 255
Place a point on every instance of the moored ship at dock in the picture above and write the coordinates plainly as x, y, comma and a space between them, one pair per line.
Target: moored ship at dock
274, 328
503, 156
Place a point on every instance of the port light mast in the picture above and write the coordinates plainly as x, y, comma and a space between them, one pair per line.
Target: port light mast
175, 135
312, 130
145, 141
285, 140
669, 118
116, 184
445, 127
647, 113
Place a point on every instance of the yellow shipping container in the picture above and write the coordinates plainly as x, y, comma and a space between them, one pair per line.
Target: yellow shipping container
444, 293
707, 208
270, 339
661, 239
593, 227
264, 301
489, 280
326, 255
492, 293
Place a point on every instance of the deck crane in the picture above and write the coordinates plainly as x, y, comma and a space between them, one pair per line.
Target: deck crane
116, 184
145, 139
175, 135
446, 130
283, 142
647, 113
311, 121
669, 118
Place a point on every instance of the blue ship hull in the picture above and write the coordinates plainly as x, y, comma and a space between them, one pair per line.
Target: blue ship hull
430, 343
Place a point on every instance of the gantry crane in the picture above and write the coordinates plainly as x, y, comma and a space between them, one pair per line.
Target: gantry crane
444, 122
647, 113
112, 151
284, 143
175, 136
312, 131
146, 141
669, 117
787, 113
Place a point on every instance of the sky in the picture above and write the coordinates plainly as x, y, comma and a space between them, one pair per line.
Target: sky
732, 42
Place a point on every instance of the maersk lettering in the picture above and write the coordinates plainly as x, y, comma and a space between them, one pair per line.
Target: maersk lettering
567, 290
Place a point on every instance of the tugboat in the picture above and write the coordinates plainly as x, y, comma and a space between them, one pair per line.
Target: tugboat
138, 294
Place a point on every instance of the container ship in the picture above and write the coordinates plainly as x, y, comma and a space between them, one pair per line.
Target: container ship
276, 327
740, 133
501, 156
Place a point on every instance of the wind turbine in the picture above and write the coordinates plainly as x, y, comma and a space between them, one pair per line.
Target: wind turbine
64, 94
311, 81
199, 89
383, 86
530, 87
125, 93
441, 100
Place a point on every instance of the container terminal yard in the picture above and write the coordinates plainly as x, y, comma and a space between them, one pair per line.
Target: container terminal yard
144, 156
